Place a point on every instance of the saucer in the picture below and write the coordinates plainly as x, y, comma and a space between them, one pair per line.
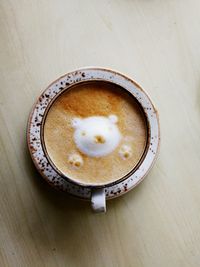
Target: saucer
35, 124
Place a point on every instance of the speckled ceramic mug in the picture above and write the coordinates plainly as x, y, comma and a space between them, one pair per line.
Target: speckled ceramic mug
96, 194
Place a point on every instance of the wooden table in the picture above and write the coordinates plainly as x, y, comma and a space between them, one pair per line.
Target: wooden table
158, 44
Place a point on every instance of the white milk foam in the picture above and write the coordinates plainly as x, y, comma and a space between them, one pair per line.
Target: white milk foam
96, 136
125, 151
75, 160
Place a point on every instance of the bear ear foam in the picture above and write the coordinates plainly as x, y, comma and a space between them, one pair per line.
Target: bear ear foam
76, 122
113, 118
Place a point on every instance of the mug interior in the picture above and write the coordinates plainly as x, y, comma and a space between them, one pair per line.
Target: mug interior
53, 163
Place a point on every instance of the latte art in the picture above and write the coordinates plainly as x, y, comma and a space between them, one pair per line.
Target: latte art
96, 136
125, 151
75, 161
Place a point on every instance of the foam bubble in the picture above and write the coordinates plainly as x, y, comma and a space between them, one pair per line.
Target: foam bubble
96, 136
125, 151
75, 161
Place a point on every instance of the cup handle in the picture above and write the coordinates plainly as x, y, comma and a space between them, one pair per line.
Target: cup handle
98, 200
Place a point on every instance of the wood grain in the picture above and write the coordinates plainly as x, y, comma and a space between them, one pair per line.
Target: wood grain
158, 44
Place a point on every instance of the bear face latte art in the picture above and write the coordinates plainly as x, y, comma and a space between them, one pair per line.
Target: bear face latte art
96, 136
95, 133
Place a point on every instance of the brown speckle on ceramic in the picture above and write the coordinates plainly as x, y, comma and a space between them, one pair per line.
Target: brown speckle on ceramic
35, 125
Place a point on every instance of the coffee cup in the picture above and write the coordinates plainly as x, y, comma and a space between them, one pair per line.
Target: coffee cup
93, 133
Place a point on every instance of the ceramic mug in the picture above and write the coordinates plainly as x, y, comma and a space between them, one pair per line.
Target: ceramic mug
96, 194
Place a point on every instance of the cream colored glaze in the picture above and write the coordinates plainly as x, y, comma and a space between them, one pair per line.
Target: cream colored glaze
94, 99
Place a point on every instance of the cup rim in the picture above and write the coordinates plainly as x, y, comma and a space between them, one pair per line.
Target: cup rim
103, 185
111, 77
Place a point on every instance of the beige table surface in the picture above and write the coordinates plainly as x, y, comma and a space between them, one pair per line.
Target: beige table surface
157, 43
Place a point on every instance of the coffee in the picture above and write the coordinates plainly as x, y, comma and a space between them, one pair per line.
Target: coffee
95, 133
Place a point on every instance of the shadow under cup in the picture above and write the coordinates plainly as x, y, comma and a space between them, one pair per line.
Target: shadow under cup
94, 99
